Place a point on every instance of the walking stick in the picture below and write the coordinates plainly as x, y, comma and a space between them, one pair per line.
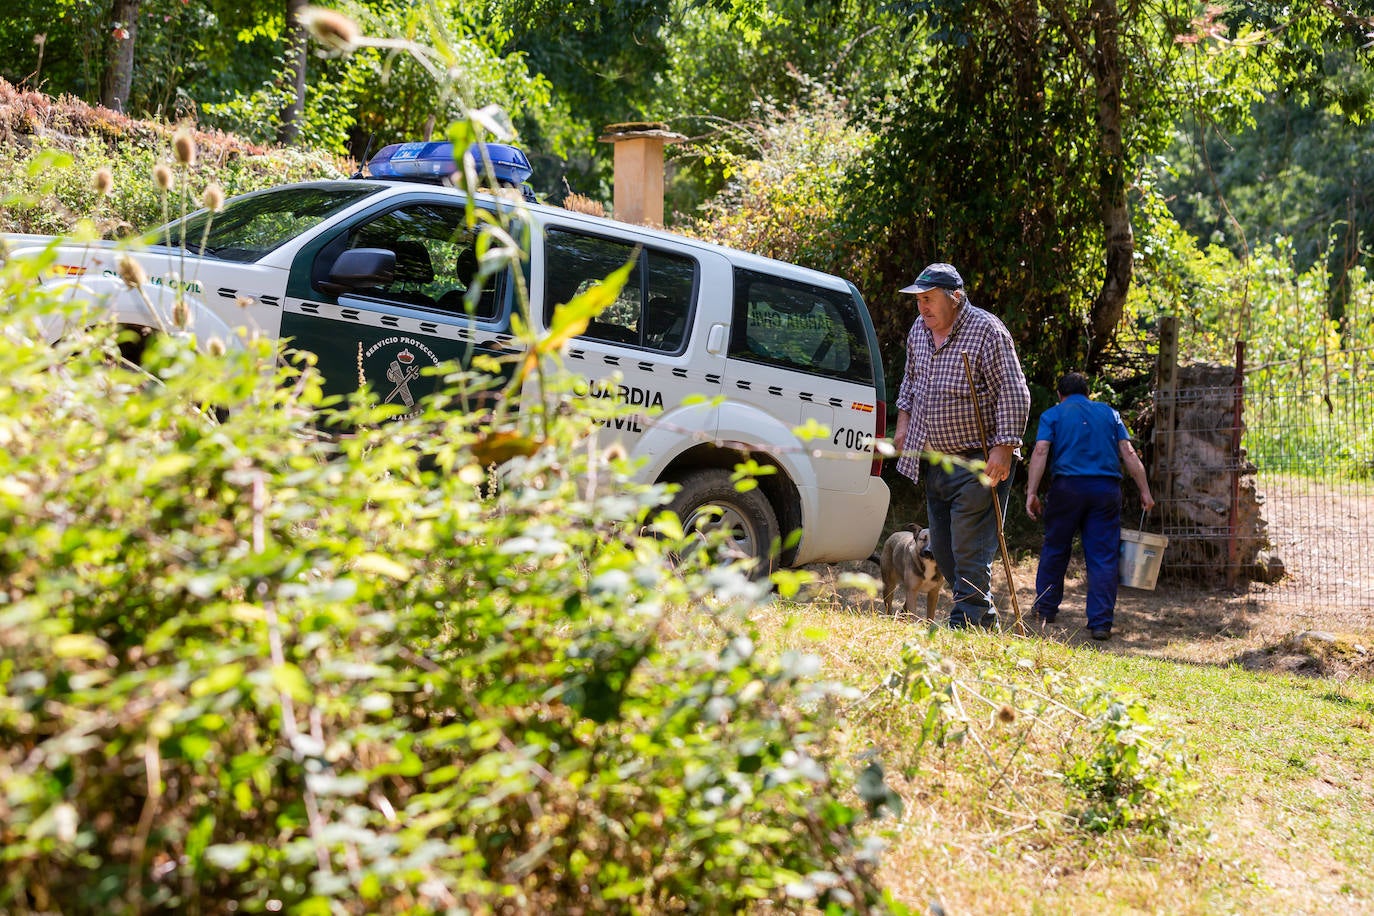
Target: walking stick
1001, 536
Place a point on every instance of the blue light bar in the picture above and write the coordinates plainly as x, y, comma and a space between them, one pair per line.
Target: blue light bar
510, 166
432, 162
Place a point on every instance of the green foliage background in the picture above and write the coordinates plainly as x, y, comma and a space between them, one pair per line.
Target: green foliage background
980, 137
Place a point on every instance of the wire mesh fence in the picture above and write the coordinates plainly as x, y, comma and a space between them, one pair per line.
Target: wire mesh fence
1310, 436
1265, 480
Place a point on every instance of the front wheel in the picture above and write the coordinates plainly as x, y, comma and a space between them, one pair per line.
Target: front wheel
741, 525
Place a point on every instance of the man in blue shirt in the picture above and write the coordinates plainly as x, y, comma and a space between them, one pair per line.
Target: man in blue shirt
1084, 444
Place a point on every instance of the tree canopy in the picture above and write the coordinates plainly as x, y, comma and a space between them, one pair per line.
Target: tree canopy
1022, 141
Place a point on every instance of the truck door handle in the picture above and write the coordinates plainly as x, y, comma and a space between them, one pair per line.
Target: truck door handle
715, 340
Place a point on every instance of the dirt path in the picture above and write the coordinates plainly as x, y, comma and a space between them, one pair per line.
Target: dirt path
1249, 628
1318, 620
1324, 533
1264, 627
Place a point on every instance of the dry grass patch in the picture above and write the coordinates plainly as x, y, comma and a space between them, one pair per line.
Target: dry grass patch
1281, 819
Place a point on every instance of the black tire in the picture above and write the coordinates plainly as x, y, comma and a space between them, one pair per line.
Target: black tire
133, 344
708, 501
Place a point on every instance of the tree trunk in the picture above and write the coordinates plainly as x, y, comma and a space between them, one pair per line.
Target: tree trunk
1110, 303
289, 127
118, 78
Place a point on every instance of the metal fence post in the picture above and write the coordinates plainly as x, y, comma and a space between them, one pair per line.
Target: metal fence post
1166, 402
1237, 431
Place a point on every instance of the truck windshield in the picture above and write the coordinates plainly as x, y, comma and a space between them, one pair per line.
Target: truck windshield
251, 226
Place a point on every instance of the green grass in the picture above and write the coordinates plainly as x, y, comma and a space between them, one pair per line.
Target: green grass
1280, 817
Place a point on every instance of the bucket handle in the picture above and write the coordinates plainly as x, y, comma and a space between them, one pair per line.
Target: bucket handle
1140, 527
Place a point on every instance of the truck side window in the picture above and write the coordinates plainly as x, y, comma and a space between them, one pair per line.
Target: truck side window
436, 259
485, 302
795, 325
670, 281
654, 307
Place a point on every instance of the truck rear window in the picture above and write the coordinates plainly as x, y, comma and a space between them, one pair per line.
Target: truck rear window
794, 325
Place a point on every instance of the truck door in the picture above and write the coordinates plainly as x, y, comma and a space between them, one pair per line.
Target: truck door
801, 353
647, 352
391, 337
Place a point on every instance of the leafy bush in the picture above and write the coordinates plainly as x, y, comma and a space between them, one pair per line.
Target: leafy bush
249, 668
45, 181
1119, 768
1128, 776
784, 203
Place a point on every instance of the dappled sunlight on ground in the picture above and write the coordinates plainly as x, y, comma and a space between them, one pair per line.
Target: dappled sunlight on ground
1179, 623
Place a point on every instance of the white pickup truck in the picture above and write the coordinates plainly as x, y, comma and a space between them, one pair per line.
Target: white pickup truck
373, 274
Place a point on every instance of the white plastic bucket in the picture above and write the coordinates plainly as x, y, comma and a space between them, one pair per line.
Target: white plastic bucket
1141, 555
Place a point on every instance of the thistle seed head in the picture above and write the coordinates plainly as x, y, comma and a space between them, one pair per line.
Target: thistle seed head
330, 28
131, 272
213, 198
162, 177
184, 147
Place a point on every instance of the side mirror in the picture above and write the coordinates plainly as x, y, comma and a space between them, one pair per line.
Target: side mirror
360, 268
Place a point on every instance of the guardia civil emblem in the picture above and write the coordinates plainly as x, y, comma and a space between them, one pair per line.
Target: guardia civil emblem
402, 371
394, 367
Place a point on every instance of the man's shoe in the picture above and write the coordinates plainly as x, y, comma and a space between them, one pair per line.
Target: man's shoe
1101, 634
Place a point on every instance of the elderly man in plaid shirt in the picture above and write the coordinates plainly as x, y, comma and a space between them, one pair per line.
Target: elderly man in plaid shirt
936, 414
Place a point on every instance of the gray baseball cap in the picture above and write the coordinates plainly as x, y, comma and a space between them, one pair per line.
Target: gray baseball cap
936, 276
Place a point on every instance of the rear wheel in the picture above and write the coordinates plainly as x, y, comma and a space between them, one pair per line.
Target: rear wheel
137, 344
742, 525
133, 342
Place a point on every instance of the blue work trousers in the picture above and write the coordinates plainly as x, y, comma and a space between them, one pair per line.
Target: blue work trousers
1091, 508
963, 537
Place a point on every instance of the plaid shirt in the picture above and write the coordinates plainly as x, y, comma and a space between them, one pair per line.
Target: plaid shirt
935, 389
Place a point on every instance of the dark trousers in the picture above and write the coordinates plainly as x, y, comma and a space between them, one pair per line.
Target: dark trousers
1091, 508
963, 537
